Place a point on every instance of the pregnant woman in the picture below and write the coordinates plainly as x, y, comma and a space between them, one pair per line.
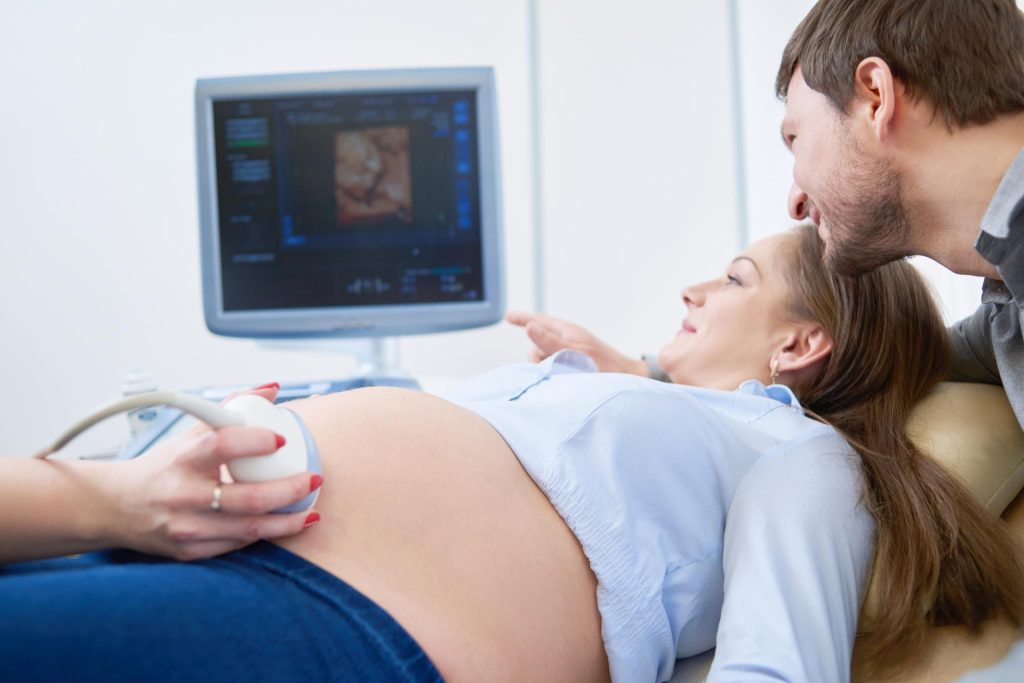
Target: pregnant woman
547, 522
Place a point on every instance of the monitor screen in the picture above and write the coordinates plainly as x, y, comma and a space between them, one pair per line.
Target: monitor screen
349, 203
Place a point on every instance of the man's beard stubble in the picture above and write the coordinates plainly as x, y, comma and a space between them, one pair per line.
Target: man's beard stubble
867, 224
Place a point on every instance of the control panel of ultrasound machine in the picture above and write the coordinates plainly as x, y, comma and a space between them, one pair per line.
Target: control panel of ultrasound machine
298, 454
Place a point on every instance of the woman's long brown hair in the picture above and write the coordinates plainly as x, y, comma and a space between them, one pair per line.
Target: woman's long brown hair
941, 558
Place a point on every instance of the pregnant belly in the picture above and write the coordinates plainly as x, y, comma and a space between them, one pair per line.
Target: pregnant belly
427, 511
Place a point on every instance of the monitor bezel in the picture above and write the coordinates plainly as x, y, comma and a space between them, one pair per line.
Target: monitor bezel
353, 321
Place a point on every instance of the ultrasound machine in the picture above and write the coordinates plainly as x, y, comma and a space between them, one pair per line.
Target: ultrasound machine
352, 204
345, 205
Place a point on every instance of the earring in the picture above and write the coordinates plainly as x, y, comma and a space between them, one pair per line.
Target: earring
774, 365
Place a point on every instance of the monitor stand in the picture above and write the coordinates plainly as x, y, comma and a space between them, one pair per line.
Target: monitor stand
377, 358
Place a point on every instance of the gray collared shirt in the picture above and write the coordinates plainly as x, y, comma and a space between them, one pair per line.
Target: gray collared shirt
988, 346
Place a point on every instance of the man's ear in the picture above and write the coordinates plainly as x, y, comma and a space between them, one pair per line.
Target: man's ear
875, 92
807, 346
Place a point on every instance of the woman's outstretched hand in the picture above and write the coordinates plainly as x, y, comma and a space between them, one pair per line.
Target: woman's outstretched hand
550, 334
165, 499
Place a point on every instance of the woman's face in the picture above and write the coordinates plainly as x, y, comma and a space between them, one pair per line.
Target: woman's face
734, 323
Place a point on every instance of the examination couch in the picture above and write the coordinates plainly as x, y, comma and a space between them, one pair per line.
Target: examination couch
972, 430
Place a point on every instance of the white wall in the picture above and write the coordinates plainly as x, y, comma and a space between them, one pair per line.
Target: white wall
764, 29
99, 263
638, 189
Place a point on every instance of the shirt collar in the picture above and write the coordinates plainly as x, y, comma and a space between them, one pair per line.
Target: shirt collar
777, 392
995, 292
997, 226
1001, 239
996, 221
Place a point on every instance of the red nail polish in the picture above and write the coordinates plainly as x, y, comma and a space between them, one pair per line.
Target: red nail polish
314, 482
279, 440
312, 519
269, 385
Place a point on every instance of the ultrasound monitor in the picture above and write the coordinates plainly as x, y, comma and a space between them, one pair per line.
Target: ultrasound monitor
349, 204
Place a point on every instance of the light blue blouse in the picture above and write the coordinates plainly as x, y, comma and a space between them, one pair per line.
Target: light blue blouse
710, 518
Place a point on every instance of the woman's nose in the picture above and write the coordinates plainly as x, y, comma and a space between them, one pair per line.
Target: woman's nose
692, 296
797, 203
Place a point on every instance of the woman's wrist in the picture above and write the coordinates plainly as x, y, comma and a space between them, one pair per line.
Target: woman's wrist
653, 369
638, 366
101, 522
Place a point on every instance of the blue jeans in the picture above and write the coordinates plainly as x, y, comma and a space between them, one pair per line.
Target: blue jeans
257, 614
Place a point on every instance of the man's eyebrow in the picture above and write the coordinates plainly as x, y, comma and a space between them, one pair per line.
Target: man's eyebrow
752, 262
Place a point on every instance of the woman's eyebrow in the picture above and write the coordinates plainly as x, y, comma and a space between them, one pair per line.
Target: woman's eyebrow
752, 262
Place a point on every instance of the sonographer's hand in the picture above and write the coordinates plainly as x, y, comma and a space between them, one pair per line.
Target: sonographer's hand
553, 334
166, 498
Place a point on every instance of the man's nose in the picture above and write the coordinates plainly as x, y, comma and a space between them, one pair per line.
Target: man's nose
797, 203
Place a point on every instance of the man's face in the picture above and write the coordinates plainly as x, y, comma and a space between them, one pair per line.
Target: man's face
854, 197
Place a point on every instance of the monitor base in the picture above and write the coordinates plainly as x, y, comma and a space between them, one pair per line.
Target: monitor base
378, 358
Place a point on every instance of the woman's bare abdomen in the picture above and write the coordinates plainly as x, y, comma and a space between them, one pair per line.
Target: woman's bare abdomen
427, 511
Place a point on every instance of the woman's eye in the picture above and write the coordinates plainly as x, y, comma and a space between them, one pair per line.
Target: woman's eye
733, 280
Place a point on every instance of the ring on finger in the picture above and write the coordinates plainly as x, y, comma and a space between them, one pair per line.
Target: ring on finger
215, 503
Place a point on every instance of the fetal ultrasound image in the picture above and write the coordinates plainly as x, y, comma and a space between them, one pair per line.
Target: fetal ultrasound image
372, 176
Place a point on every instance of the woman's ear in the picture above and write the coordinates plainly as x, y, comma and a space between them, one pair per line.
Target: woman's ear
807, 346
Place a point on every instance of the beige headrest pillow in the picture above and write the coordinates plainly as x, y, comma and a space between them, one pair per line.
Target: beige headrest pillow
971, 429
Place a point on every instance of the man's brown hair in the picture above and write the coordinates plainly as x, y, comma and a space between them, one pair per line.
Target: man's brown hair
965, 57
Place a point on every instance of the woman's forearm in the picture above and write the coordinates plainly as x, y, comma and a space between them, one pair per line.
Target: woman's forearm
160, 503
54, 507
